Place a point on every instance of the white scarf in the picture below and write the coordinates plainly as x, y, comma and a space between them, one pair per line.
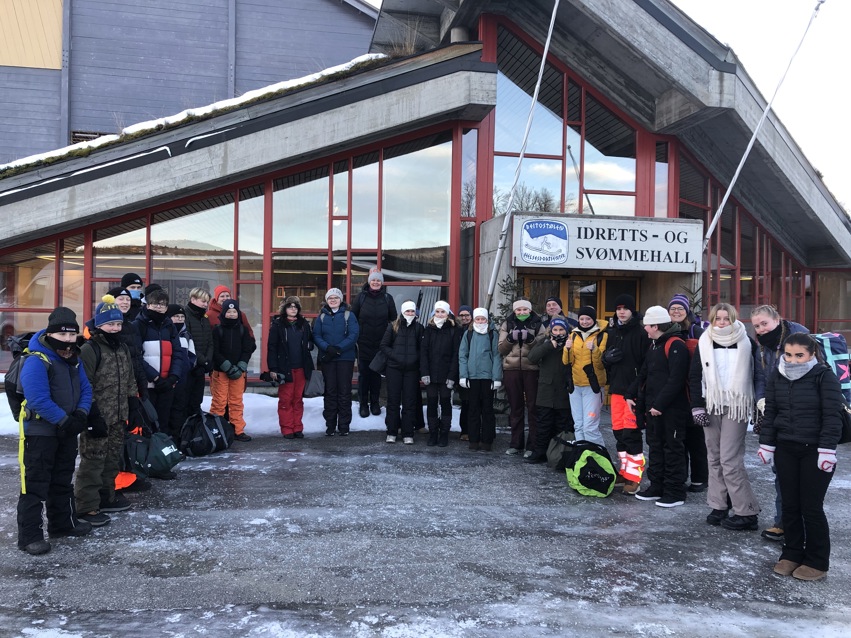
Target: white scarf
738, 400
481, 328
439, 322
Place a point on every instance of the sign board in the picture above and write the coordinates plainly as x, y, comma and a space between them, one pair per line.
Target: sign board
607, 243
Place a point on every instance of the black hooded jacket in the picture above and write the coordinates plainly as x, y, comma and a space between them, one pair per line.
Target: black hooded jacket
373, 313
631, 339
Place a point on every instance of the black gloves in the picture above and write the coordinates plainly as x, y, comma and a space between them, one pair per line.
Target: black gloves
163, 384
208, 367
97, 428
77, 422
331, 353
592, 378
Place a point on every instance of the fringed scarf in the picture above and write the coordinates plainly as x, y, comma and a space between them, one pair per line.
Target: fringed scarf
738, 399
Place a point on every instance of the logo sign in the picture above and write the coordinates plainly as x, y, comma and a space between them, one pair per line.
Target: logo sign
543, 242
608, 243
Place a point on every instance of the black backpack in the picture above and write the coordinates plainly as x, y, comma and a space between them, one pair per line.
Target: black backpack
589, 468
150, 456
204, 433
17, 345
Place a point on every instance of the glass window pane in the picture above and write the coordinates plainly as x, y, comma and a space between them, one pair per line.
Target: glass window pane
251, 303
609, 149
71, 271
417, 212
300, 210
660, 208
727, 227
694, 186
28, 278
179, 261
120, 249
539, 188
423, 296
468, 266
687, 211
340, 235
518, 74
620, 205
305, 276
726, 287
365, 201
571, 171
251, 226
469, 162
340, 207
359, 271
834, 300
12, 323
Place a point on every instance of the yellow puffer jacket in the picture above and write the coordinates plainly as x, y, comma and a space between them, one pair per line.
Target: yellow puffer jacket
578, 356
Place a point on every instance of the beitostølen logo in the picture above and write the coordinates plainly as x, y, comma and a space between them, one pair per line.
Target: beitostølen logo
543, 241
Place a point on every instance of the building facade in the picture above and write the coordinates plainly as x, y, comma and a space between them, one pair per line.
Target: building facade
406, 164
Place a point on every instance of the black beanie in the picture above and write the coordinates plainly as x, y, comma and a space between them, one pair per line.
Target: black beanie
151, 288
62, 320
627, 301
590, 311
118, 291
556, 299
131, 278
174, 309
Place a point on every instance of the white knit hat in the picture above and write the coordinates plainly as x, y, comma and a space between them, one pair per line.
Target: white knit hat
442, 305
656, 315
521, 303
480, 312
408, 305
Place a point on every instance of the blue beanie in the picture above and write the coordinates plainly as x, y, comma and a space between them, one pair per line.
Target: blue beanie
558, 321
107, 311
467, 308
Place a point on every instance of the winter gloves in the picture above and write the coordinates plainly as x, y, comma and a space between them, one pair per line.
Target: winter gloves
450, 383
496, 385
233, 371
826, 459
77, 422
700, 417
520, 335
425, 380
766, 453
592, 378
464, 383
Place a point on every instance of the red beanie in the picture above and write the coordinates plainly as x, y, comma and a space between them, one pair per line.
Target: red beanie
219, 290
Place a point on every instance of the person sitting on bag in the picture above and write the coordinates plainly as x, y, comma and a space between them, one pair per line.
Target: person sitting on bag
57, 398
232, 349
583, 352
290, 364
109, 368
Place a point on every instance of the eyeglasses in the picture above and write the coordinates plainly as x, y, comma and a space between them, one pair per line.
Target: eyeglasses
292, 305
464, 314
157, 305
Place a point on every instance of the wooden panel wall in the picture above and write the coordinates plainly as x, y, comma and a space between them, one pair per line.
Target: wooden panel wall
31, 33
29, 111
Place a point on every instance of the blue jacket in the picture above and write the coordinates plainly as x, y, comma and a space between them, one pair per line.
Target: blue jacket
767, 358
332, 329
478, 356
52, 392
162, 355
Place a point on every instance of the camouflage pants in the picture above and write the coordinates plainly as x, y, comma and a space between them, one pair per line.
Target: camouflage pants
99, 465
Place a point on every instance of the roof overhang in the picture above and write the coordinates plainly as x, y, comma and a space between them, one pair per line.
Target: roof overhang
450, 83
673, 77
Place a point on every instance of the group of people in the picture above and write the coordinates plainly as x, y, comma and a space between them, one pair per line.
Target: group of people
79, 388
689, 387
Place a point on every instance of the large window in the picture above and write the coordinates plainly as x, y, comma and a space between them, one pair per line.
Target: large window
300, 210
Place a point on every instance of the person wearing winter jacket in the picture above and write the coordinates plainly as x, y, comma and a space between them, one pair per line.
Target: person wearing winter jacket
439, 372
58, 398
109, 368
480, 371
583, 352
724, 380
180, 404
335, 333
799, 434
290, 364
401, 346
162, 357
374, 309
516, 336
463, 321
130, 337
661, 390
552, 402
199, 327
135, 287
771, 331
214, 311
627, 345
232, 349
679, 307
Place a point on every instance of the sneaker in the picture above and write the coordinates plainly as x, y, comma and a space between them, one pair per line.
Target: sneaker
785, 567
740, 523
772, 534
408, 440
631, 487
648, 494
242, 436
36, 548
298, 435
670, 501
139, 485
119, 504
390, 439
512, 451
80, 529
716, 516
527, 454
344, 433
805, 572
697, 487
330, 432
364, 411
375, 409
289, 436
95, 519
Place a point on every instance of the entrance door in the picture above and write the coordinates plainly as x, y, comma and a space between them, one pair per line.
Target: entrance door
579, 291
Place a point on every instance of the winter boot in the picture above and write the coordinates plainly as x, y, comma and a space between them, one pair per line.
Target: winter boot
443, 437
364, 410
433, 433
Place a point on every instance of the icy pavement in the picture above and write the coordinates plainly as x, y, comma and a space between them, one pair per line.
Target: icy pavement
355, 537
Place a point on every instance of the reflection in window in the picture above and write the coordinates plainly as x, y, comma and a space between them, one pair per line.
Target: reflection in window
192, 247
305, 276
469, 161
417, 212
359, 271
71, 275
300, 210
660, 208
423, 296
340, 203
518, 73
120, 249
12, 323
251, 224
468, 266
250, 297
339, 235
539, 188
365, 201
619, 205
609, 149
28, 278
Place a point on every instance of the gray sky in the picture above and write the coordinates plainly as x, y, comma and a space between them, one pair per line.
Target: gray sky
812, 102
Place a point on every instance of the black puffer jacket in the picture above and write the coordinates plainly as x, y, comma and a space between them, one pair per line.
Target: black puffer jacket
663, 378
631, 339
552, 375
281, 332
439, 352
373, 312
402, 347
803, 411
232, 342
202, 334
